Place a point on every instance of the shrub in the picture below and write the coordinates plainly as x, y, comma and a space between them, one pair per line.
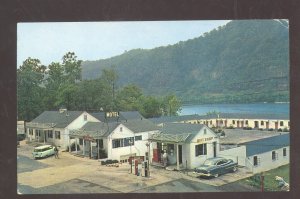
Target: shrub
280, 130
108, 162
270, 129
247, 128
115, 161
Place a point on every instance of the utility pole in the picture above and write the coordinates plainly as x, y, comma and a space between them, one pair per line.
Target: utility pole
130, 143
262, 178
148, 157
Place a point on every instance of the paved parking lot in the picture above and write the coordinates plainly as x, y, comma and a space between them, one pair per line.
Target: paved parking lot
71, 174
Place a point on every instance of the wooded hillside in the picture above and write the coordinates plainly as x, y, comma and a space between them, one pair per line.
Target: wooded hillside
243, 61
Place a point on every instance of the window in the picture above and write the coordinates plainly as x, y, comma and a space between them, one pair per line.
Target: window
30, 131
128, 141
205, 132
80, 141
116, 143
121, 129
50, 134
246, 122
262, 123
200, 149
255, 161
210, 122
233, 122
38, 133
221, 162
136, 138
274, 156
57, 135
85, 117
284, 152
281, 123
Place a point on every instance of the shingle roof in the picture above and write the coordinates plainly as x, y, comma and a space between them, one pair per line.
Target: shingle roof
130, 115
141, 125
180, 131
165, 119
103, 129
267, 144
241, 136
123, 115
60, 120
95, 129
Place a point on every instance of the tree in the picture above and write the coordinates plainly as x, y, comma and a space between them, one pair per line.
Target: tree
30, 89
72, 67
129, 98
55, 79
150, 107
109, 78
171, 105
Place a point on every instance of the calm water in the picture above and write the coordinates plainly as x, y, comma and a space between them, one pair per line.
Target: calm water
272, 108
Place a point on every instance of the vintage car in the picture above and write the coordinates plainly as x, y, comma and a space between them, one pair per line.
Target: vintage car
213, 167
43, 151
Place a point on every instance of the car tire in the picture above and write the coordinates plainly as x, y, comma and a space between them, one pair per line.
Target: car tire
216, 175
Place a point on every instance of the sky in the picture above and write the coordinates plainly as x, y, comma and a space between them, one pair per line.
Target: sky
91, 41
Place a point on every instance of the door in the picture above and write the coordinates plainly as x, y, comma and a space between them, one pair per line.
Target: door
180, 153
159, 149
255, 124
215, 149
267, 125
276, 125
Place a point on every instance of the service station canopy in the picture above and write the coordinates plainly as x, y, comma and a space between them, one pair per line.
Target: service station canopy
162, 137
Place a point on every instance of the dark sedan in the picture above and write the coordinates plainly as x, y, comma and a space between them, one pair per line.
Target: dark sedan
216, 166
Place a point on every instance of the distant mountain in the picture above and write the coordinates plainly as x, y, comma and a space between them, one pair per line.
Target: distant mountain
243, 61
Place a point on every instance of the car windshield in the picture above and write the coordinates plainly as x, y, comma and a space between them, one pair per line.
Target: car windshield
209, 162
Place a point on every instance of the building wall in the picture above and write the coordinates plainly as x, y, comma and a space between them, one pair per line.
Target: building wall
266, 162
139, 148
237, 154
240, 123
64, 141
211, 137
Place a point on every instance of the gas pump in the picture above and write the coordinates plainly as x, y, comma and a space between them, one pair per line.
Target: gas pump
136, 163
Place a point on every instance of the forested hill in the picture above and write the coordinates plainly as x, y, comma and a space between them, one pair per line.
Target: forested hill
243, 61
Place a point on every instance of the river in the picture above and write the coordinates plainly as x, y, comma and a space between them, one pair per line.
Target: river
260, 108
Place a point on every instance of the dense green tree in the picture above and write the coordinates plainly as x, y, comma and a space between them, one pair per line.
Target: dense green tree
129, 98
151, 107
171, 105
30, 89
72, 67
109, 77
55, 79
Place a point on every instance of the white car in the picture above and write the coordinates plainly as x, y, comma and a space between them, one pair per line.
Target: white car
43, 151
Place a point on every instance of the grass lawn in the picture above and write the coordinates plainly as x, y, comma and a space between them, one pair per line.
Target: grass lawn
269, 181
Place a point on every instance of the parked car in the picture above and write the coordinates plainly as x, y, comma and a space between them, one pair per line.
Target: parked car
43, 151
213, 167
